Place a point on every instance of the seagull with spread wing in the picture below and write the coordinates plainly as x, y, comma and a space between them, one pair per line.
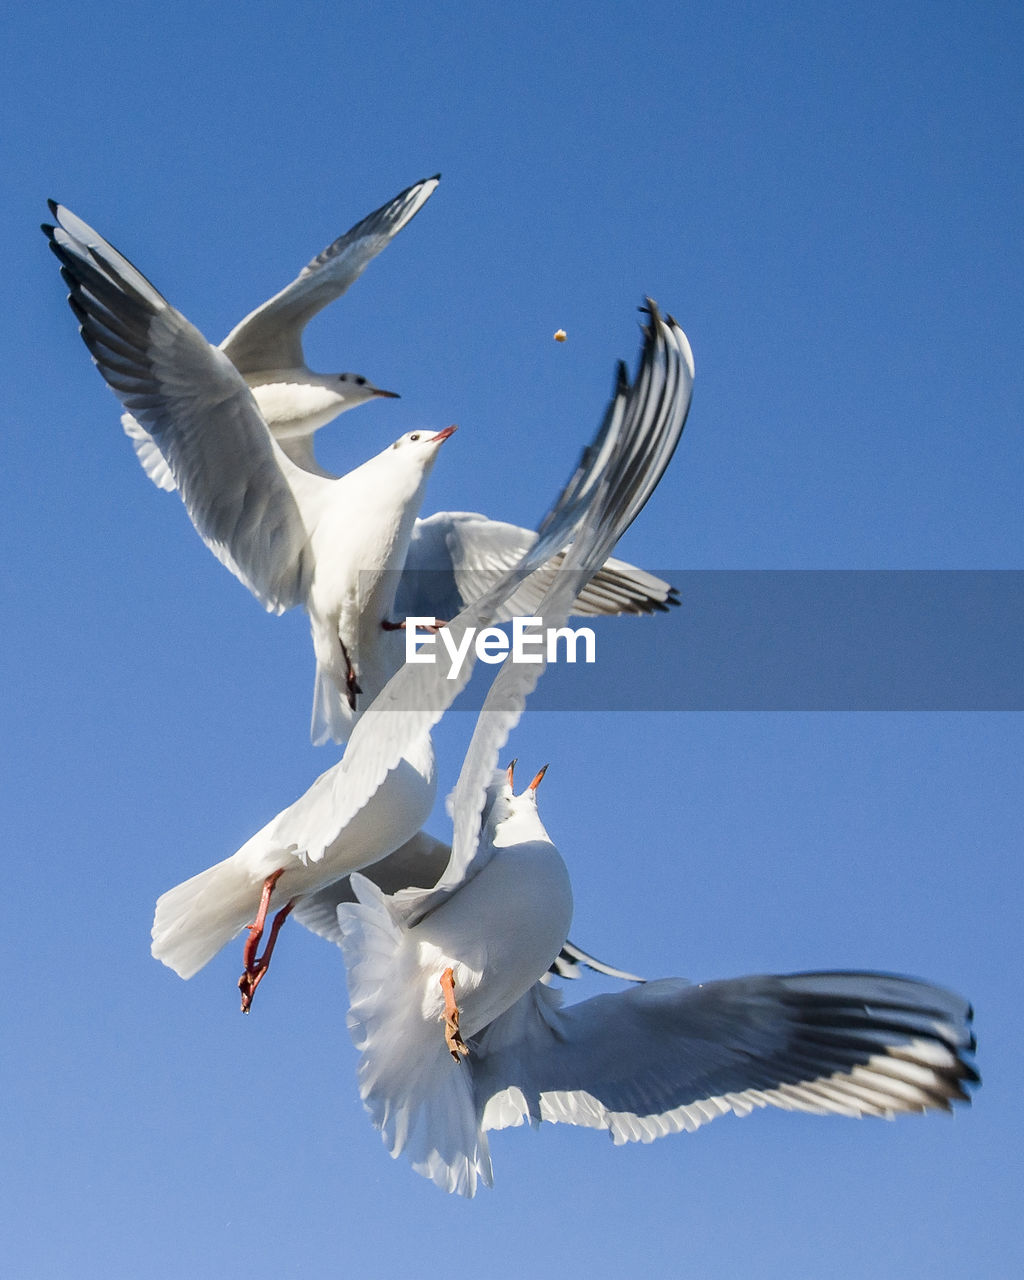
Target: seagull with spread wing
459, 1032
332, 545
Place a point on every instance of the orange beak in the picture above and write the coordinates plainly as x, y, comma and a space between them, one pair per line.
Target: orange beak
537, 781
442, 435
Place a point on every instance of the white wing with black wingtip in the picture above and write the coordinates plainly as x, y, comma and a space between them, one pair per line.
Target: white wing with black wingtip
668, 1056
271, 336
456, 556
237, 485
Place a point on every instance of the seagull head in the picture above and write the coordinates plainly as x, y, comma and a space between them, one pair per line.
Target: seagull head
356, 389
506, 805
511, 819
420, 447
403, 467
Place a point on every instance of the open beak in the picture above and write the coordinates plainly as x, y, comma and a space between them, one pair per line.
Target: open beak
509, 772
537, 781
442, 435
387, 395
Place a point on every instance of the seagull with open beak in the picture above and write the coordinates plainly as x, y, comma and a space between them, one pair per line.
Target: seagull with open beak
459, 972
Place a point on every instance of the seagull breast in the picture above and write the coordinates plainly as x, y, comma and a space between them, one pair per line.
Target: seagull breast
499, 932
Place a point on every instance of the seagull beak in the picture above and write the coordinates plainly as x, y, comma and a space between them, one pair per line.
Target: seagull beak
509, 772
442, 435
387, 395
537, 781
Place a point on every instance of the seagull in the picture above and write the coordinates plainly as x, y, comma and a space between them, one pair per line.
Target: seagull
376, 798
266, 347
292, 537
459, 1033
266, 510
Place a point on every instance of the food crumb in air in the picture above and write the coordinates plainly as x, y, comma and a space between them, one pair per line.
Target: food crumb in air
560, 335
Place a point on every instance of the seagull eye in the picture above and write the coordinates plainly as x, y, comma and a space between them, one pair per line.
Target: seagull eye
360, 382
415, 435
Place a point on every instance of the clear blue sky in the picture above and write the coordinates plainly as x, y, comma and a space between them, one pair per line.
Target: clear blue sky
829, 199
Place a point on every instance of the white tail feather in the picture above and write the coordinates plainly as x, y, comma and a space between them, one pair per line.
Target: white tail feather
421, 1101
198, 917
332, 717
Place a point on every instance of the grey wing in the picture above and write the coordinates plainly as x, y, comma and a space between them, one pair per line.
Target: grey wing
151, 460
271, 336
666, 1056
457, 556
198, 410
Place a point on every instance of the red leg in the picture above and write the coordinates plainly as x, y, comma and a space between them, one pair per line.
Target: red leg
256, 966
256, 928
456, 1045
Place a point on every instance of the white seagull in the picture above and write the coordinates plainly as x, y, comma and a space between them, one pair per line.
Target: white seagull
291, 532
377, 797
333, 546
266, 347
460, 974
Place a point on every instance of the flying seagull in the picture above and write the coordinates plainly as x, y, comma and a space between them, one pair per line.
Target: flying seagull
458, 1032
333, 546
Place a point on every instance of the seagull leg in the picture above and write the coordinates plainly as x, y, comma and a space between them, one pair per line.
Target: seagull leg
456, 1045
351, 683
256, 966
435, 627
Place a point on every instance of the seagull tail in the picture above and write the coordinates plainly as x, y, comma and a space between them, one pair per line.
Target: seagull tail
420, 1100
198, 917
332, 718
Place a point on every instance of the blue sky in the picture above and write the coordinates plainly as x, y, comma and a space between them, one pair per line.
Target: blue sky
829, 199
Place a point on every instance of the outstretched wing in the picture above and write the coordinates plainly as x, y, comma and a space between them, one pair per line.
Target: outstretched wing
666, 1056
616, 476
271, 336
194, 403
457, 556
